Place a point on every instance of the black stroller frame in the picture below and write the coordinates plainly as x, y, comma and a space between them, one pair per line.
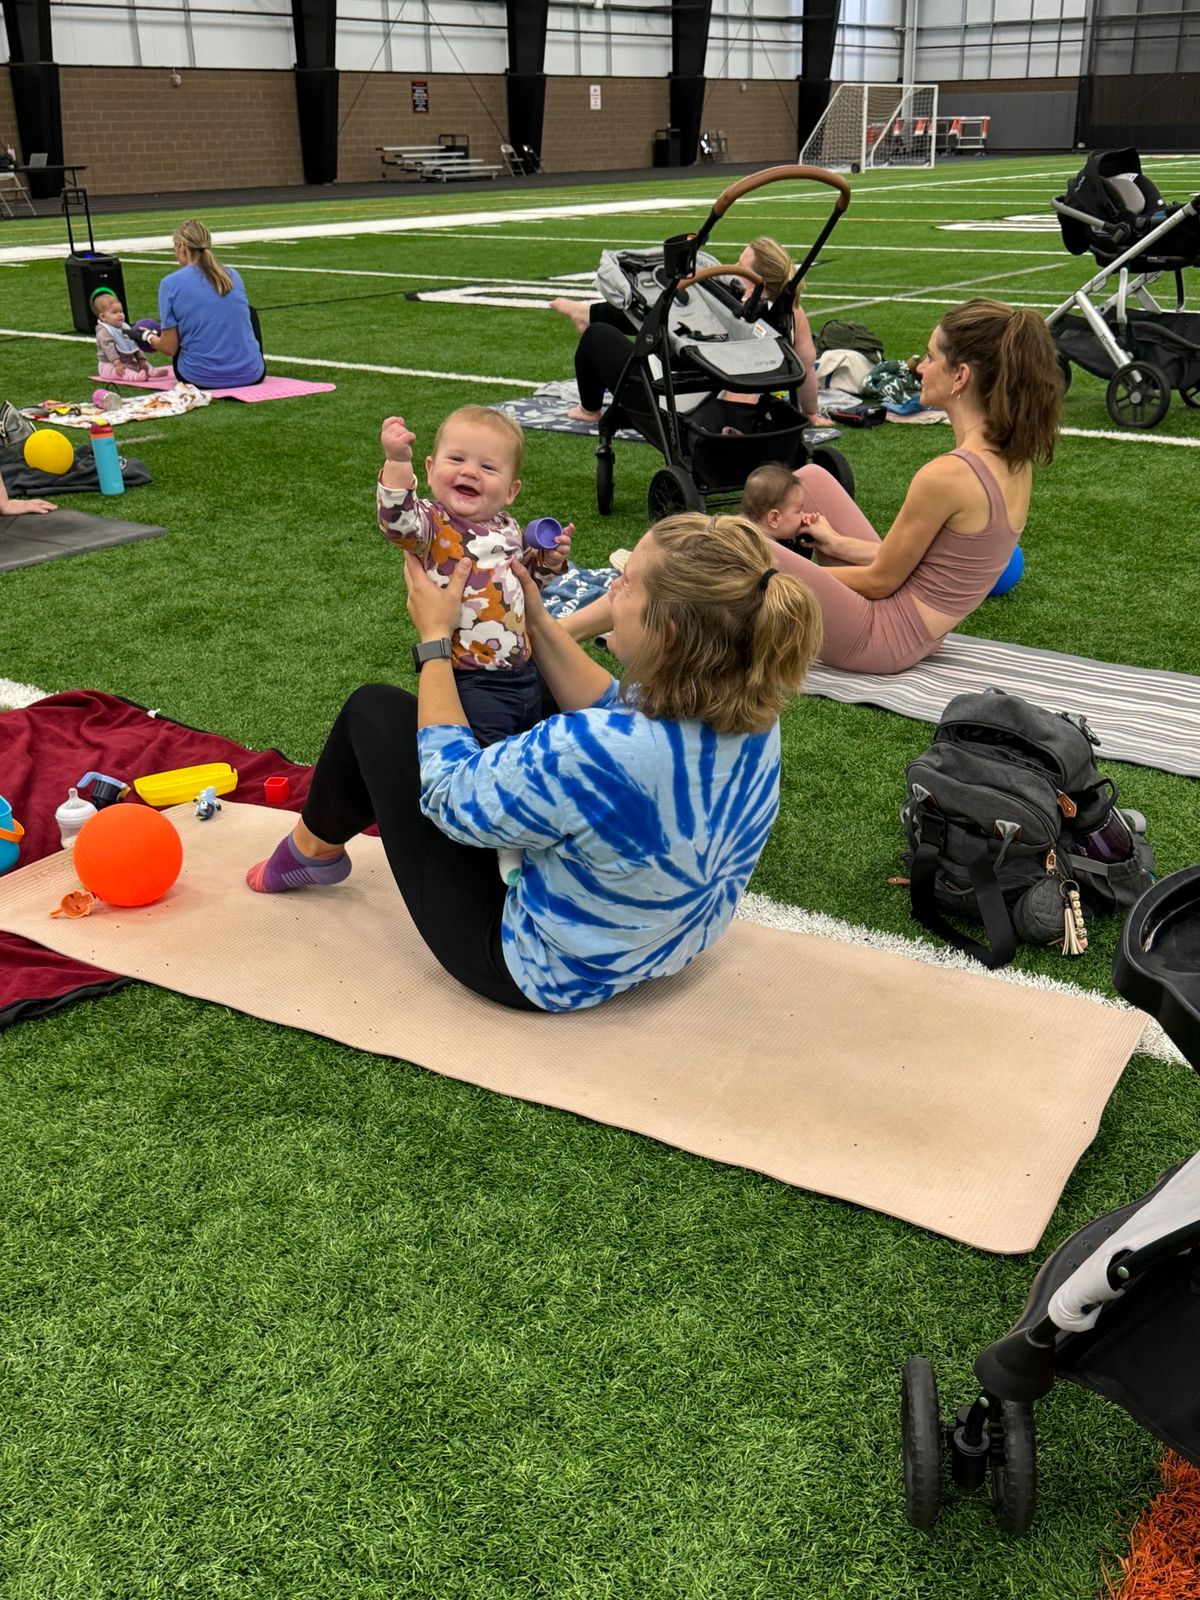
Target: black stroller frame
1116, 1308
703, 464
1144, 349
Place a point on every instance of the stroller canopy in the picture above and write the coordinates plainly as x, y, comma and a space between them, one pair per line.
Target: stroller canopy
708, 333
1116, 204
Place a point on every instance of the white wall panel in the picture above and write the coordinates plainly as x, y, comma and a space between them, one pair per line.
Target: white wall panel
86, 35
400, 36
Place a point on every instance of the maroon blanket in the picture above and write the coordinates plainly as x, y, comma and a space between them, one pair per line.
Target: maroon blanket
47, 748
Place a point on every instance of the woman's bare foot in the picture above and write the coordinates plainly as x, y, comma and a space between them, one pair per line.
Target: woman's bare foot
578, 414
576, 312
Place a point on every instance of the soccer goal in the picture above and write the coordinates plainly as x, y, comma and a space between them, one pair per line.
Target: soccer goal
870, 125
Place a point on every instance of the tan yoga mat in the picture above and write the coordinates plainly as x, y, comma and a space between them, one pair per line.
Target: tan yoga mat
953, 1100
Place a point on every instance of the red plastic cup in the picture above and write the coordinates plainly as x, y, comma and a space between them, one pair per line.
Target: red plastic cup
278, 791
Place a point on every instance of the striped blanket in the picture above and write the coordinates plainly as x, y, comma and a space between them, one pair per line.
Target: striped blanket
1149, 718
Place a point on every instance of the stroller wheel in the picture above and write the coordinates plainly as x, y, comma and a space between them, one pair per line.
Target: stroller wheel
1191, 396
835, 463
1138, 395
604, 480
1014, 1466
1064, 366
672, 491
921, 1427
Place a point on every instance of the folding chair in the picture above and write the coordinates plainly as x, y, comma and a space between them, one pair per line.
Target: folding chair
12, 189
516, 167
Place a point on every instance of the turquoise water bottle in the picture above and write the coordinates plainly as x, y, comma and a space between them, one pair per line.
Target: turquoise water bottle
108, 463
11, 834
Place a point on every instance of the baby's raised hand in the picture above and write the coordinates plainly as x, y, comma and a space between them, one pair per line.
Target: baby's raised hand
562, 544
397, 439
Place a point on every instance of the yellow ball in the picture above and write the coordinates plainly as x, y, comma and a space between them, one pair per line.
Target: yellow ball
47, 450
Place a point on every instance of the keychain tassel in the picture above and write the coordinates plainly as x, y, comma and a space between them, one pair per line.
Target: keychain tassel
1074, 940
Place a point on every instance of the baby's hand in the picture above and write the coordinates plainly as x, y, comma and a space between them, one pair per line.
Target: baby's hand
562, 544
397, 439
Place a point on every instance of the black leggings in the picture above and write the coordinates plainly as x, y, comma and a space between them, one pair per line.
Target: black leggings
369, 772
600, 358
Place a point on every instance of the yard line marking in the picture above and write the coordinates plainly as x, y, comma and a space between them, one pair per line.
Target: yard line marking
1129, 438
649, 244
944, 288
367, 272
379, 225
315, 361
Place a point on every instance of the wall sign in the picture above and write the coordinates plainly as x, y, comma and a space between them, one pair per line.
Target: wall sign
594, 97
420, 95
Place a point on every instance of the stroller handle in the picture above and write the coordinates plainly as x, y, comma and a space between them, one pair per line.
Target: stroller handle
719, 271
756, 180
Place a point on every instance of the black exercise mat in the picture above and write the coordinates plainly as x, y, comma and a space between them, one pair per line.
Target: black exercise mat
30, 538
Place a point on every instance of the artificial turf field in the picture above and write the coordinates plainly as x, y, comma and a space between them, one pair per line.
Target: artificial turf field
284, 1320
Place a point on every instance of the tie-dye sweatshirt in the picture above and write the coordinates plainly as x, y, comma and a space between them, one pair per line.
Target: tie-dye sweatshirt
638, 835
491, 625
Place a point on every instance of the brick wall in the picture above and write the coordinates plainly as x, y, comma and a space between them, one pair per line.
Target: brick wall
376, 109
619, 135
138, 135
759, 125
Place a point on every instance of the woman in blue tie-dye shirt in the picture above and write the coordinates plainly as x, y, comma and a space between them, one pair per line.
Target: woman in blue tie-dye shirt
640, 809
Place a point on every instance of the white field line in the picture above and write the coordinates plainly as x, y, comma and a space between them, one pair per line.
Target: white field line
945, 288
369, 272
313, 361
803, 244
379, 225
536, 383
16, 696
770, 914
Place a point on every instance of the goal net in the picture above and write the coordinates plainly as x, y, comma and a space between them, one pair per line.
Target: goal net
875, 125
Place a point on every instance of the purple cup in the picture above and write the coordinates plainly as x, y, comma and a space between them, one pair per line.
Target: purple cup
139, 331
543, 532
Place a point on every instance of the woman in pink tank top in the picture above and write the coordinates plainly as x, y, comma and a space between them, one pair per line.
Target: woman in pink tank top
887, 603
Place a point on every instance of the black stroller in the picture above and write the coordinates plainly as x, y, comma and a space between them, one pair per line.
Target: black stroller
1116, 1308
1113, 210
696, 337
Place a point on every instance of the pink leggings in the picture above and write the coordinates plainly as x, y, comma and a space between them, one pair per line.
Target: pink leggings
861, 635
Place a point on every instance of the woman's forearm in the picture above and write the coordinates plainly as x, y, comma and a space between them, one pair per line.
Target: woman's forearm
590, 621
438, 703
573, 678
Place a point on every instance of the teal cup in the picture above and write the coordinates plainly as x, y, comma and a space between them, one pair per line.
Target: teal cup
11, 834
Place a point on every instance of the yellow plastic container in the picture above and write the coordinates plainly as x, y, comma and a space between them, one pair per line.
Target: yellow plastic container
185, 783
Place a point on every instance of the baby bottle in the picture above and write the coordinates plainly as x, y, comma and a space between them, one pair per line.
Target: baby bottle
71, 816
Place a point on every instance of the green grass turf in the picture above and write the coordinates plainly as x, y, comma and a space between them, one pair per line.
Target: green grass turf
285, 1320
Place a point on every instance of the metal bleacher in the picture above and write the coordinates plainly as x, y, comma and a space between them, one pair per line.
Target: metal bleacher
448, 161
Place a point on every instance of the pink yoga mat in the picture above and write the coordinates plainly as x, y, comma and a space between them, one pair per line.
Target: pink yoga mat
271, 388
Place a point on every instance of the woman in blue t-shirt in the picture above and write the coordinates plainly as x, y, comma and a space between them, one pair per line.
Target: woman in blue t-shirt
207, 323
637, 814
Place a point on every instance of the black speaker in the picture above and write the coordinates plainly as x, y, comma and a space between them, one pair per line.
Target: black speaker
86, 274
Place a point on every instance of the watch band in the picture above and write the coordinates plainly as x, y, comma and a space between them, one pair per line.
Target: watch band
431, 650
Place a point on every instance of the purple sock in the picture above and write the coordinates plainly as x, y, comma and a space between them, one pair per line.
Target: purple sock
286, 869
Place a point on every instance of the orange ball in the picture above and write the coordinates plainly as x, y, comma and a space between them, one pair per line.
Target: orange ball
128, 855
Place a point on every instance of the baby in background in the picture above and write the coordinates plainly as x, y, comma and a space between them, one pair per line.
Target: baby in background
121, 361
473, 477
773, 499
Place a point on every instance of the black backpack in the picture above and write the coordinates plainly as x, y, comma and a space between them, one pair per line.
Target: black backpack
839, 335
1010, 823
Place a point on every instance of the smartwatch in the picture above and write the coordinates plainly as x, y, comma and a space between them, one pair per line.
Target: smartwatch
432, 650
